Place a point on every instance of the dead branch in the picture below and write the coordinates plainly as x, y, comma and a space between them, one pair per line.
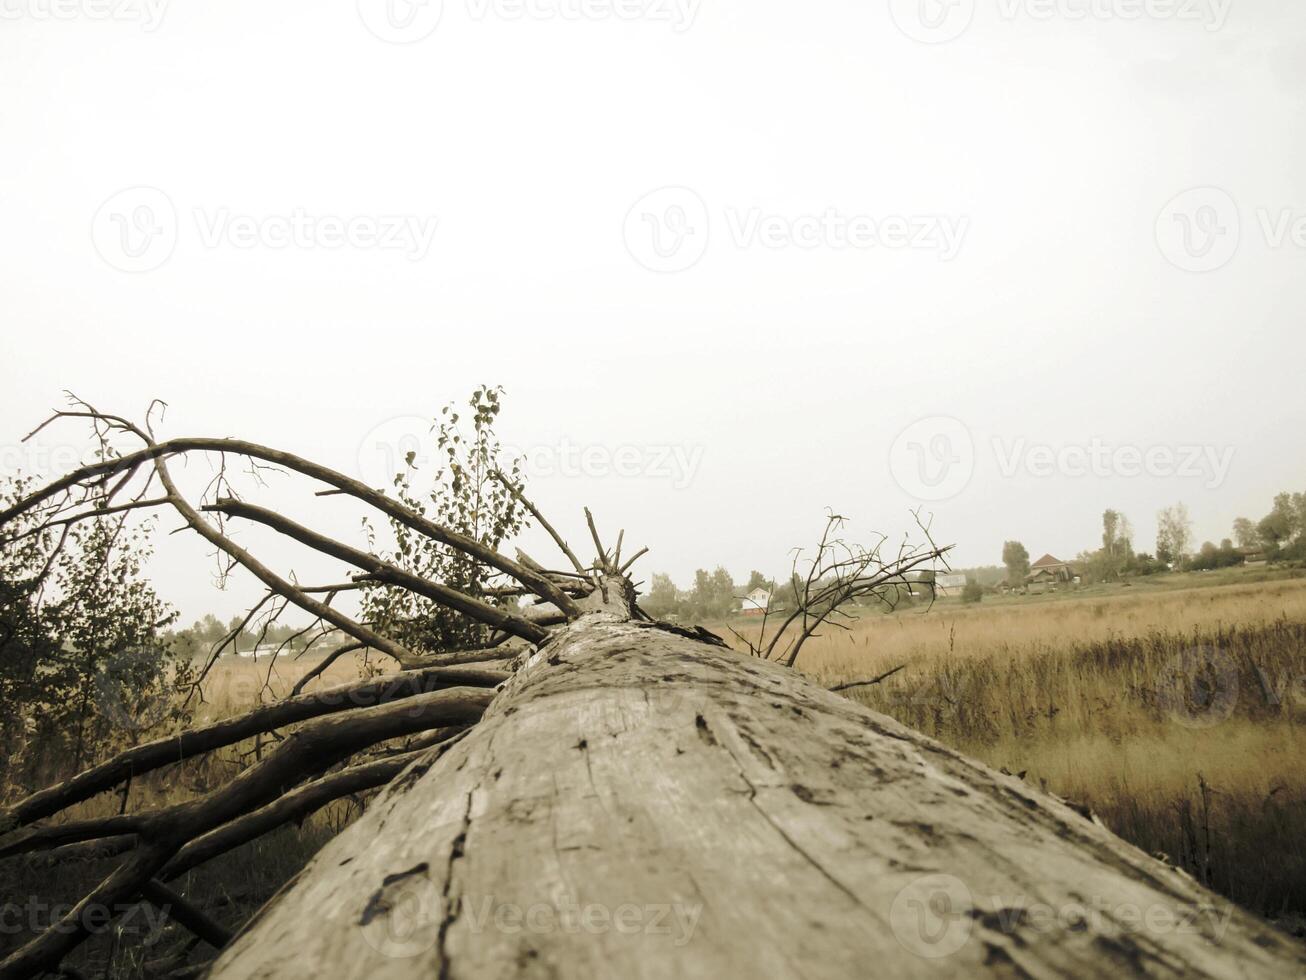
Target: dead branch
185, 913
198, 741
46, 950
874, 680
382, 571
322, 667
295, 805
157, 451
534, 511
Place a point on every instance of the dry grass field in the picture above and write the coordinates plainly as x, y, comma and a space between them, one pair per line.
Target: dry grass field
1176, 714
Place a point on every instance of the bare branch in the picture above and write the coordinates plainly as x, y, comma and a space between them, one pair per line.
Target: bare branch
874, 680
184, 913
382, 571
540, 519
403, 514
198, 741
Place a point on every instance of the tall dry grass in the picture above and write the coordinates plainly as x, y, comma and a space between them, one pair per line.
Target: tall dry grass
1177, 716
230, 888
1117, 700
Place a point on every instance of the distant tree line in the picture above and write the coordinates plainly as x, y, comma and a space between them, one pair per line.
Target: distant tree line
714, 595
198, 639
1279, 536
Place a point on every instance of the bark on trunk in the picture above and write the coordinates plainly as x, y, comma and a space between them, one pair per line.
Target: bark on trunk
637, 803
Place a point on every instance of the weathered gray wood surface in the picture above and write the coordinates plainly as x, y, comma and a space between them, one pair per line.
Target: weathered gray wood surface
640, 804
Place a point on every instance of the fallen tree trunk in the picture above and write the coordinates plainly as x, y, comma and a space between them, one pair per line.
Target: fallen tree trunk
638, 803
634, 800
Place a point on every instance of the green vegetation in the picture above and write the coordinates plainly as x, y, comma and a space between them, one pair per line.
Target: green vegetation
84, 663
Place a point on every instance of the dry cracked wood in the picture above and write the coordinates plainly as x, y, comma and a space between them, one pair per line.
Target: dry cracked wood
639, 804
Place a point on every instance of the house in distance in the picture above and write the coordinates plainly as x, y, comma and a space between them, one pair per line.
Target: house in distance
1049, 572
755, 603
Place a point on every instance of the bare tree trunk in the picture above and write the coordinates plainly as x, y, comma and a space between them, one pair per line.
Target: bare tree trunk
637, 803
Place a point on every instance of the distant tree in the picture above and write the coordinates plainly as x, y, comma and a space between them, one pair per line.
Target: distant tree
1174, 534
663, 598
972, 592
1279, 526
1016, 558
713, 594
1244, 532
756, 580
724, 593
1298, 546
1210, 556
1117, 545
473, 492
84, 663
1110, 524
1145, 564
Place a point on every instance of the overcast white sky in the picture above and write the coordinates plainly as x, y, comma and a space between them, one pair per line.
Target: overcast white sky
1006, 258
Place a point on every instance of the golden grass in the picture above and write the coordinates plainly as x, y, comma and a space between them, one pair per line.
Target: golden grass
1128, 701
922, 635
1075, 691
